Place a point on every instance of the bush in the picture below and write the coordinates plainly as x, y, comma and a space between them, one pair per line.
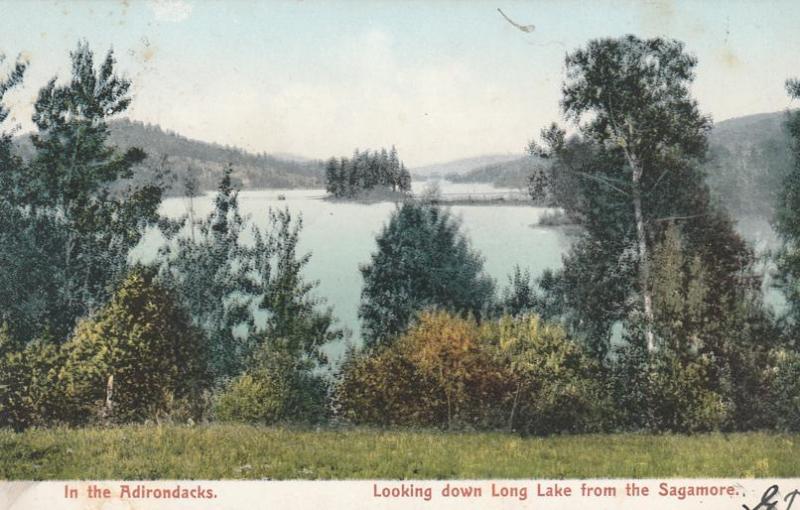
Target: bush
280, 387
449, 372
31, 394
785, 391
662, 391
439, 374
138, 358
557, 387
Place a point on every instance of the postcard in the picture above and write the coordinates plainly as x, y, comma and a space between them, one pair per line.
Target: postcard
399, 254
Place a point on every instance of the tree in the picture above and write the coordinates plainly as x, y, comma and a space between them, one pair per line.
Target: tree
9, 162
365, 171
225, 283
423, 260
635, 166
295, 322
77, 191
636, 95
787, 216
213, 276
136, 357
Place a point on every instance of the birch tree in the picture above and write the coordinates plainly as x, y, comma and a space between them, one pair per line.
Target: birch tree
630, 99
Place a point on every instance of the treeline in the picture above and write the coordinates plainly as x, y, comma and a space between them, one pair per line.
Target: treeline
365, 171
219, 329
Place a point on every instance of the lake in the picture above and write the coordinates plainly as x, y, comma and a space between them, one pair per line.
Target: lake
341, 236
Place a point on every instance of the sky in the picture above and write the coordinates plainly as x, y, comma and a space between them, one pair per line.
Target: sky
441, 80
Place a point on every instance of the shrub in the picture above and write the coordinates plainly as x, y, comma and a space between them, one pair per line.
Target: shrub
279, 387
785, 391
663, 391
31, 394
449, 372
557, 387
136, 358
439, 374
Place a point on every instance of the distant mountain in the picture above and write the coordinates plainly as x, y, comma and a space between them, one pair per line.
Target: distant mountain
748, 160
505, 174
460, 166
205, 161
741, 130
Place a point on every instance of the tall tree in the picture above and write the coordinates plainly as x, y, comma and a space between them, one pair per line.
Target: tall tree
9, 162
423, 260
212, 273
787, 216
77, 191
630, 100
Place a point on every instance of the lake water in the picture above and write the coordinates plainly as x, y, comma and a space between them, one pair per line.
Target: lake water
341, 236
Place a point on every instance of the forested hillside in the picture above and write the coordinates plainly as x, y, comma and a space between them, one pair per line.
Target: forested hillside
204, 161
749, 158
506, 174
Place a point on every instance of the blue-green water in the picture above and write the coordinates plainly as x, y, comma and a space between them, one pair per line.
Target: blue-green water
341, 236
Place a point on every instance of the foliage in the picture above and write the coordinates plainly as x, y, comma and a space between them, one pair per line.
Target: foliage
633, 169
440, 373
136, 356
448, 372
296, 322
224, 281
708, 371
367, 170
519, 297
423, 260
30, 390
212, 273
787, 216
74, 210
557, 387
279, 387
784, 395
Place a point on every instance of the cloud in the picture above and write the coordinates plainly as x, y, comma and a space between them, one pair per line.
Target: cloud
173, 11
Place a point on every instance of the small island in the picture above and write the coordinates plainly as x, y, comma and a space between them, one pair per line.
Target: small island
368, 176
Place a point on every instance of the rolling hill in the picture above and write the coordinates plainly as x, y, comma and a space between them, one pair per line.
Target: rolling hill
182, 157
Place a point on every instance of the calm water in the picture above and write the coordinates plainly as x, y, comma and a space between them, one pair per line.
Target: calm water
341, 236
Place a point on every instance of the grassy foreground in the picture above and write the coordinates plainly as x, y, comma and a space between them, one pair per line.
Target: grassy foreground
245, 452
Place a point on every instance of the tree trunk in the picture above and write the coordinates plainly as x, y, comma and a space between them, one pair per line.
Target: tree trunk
644, 259
514, 408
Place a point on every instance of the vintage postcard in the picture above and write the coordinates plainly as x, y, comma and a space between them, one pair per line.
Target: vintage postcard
399, 254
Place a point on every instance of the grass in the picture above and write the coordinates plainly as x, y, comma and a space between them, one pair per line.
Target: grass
246, 452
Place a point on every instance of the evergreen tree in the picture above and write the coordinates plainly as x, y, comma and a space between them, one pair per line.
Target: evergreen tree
75, 208
423, 260
365, 171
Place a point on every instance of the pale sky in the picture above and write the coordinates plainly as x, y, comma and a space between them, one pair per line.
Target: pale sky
441, 80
